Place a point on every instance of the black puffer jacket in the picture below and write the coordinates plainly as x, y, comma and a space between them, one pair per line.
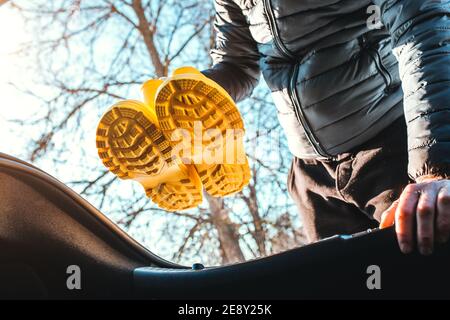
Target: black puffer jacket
336, 82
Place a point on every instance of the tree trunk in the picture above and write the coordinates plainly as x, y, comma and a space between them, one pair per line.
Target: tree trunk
260, 233
227, 231
145, 28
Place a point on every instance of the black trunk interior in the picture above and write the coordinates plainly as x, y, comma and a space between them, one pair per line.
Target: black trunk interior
46, 227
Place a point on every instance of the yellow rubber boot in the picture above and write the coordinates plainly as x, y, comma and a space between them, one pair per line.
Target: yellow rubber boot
188, 100
132, 146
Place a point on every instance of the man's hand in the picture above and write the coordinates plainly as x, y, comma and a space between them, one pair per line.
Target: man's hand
422, 211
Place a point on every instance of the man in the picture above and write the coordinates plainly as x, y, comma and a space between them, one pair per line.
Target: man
343, 91
338, 89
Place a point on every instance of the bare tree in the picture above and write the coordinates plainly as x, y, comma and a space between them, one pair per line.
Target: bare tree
89, 54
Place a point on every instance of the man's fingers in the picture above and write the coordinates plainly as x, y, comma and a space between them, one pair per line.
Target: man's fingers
425, 213
405, 216
388, 217
443, 215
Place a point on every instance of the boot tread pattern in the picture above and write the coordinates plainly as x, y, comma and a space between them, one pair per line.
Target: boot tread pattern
182, 102
131, 146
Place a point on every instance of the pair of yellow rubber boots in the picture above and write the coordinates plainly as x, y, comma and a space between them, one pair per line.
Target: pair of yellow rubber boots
185, 136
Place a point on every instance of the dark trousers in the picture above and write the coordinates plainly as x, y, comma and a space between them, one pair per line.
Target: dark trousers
350, 194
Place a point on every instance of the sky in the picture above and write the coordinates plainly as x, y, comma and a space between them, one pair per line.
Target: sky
17, 104
14, 104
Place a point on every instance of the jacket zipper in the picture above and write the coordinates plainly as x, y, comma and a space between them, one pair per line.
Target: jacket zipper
376, 57
301, 116
293, 94
276, 37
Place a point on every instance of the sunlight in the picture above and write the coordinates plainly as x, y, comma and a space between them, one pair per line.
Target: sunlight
14, 104
12, 34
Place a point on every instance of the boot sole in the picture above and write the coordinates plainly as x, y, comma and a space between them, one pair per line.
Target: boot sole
131, 146
180, 102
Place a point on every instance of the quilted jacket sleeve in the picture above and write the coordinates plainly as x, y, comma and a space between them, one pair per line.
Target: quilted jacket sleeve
420, 31
235, 56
